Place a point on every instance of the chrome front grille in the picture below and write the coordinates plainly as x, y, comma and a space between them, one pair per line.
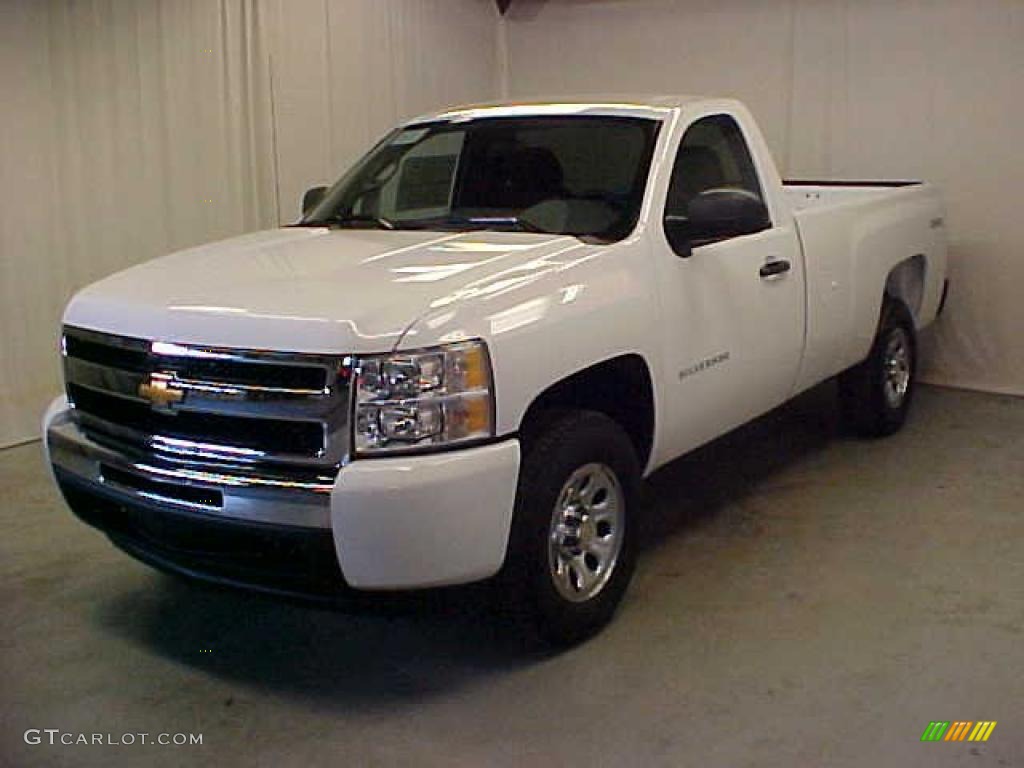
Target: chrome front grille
196, 404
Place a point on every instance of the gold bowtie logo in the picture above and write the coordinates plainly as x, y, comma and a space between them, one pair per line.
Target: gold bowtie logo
160, 392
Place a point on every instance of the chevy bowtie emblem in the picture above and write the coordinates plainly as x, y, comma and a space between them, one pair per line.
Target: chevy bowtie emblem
160, 391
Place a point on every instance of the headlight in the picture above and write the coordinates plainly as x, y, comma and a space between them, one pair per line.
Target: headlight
435, 397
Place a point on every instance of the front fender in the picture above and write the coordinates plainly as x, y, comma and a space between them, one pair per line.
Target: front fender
588, 304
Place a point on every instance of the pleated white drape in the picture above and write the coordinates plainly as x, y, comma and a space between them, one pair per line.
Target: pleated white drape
346, 70
135, 127
930, 89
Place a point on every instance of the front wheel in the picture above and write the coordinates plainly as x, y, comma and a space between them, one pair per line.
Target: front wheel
572, 546
875, 395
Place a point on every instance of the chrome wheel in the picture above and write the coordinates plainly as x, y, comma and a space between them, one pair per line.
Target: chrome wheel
586, 532
896, 367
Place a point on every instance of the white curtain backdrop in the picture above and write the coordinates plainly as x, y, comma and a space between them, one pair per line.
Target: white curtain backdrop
135, 127
930, 89
345, 71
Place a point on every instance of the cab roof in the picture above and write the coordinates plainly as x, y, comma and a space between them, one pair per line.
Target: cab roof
651, 106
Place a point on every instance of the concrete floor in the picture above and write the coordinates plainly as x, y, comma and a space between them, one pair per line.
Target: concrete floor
803, 599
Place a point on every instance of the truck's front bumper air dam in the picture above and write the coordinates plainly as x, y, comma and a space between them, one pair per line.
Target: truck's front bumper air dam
388, 523
288, 560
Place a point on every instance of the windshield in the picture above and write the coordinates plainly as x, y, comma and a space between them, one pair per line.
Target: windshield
574, 175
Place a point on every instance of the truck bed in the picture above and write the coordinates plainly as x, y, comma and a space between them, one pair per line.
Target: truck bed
810, 194
853, 234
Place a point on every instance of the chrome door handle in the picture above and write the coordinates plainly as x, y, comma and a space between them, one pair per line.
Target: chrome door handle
774, 268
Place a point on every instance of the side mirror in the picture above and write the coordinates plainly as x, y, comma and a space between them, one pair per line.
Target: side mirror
713, 215
677, 232
312, 199
717, 214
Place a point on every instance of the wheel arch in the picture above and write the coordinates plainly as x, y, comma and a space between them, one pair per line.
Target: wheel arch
906, 281
620, 387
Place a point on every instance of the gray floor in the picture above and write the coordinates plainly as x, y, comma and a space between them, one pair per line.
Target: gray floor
804, 599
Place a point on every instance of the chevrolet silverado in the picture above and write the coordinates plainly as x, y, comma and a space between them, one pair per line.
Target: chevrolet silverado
461, 361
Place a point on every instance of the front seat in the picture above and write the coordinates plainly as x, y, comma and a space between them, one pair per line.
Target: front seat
698, 169
531, 175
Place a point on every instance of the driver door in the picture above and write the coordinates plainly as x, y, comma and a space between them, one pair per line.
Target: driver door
734, 330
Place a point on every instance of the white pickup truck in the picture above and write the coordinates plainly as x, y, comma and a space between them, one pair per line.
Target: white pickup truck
464, 357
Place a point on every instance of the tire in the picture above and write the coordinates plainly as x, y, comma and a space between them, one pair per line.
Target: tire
577, 490
875, 395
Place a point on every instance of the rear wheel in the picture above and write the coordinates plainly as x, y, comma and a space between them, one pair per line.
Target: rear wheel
875, 396
571, 550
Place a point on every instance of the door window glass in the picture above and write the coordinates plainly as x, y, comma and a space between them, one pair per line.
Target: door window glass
712, 155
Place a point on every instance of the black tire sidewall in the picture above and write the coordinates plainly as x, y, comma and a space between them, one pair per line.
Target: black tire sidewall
569, 442
895, 317
864, 406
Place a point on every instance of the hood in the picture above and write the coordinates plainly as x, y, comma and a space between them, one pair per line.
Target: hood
309, 289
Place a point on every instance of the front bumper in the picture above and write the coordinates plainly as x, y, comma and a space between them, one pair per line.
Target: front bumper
282, 559
382, 523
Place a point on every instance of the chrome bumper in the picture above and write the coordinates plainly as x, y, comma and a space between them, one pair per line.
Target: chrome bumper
244, 495
403, 522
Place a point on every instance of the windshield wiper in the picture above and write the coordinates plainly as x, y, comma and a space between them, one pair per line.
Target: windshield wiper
502, 222
341, 220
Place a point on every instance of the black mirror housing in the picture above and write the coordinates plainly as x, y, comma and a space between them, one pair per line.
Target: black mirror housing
718, 214
312, 199
713, 215
677, 232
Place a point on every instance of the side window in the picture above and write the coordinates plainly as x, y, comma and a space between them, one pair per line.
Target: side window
712, 155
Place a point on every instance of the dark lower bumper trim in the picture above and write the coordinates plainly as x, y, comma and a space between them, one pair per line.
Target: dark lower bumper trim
280, 559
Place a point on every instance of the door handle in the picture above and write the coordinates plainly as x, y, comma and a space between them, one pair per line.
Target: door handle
775, 267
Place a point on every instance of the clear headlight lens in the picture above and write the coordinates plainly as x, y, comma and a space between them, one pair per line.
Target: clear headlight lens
432, 398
